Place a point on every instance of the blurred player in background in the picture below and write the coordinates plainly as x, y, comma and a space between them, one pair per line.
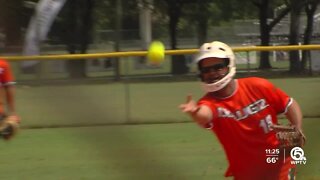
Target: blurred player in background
240, 112
7, 96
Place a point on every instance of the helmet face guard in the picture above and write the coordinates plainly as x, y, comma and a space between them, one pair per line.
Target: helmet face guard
218, 50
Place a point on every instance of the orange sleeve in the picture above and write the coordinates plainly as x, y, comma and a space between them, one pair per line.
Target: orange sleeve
204, 101
278, 99
7, 77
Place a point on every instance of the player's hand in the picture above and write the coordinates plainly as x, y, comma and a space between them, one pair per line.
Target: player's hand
190, 106
14, 117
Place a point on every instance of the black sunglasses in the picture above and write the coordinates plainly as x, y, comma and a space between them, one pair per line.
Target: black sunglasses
215, 67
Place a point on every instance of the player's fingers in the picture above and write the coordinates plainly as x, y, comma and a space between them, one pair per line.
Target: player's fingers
184, 108
181, 106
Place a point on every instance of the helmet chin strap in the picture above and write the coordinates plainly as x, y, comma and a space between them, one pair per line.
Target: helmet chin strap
216, 86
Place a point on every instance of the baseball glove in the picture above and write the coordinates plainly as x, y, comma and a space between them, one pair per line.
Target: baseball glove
8, 128
289, 136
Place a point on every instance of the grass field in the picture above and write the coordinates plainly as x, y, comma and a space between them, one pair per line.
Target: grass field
162, 151
146, 151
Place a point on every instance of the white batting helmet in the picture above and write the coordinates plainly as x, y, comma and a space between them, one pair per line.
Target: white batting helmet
218, 50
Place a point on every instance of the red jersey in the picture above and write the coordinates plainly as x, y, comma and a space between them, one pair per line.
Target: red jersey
6, 78
241, 123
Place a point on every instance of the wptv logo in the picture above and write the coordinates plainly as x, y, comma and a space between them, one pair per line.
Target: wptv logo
297, 154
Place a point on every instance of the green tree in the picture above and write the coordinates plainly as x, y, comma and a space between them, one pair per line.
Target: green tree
310, 9
201, 14
294, 35
206, 14
265, 8
79, 28
174, 9
11, 22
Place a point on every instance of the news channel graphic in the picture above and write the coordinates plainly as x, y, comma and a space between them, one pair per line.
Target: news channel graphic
296, 153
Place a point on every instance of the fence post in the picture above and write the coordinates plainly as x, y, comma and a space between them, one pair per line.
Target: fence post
248, 61
127, 91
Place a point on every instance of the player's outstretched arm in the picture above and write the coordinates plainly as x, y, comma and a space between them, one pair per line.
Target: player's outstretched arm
10, 98
200, 114
294, 115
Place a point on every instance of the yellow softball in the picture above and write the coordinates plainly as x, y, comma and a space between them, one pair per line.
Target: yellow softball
156, 53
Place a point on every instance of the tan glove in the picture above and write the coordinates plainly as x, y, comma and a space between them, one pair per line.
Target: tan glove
289, 136
9, 127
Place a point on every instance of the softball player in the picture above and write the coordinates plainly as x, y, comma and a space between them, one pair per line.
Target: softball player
7, 92
240, 112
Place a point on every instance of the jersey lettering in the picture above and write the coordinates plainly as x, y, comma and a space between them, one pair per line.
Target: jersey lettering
247, 111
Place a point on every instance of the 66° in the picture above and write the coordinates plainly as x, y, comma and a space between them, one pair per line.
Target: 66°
271, 160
